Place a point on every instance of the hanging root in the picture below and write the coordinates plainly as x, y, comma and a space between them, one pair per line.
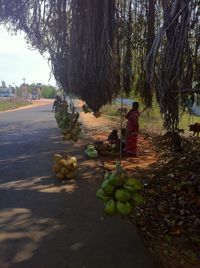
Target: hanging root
93, 69
166, 60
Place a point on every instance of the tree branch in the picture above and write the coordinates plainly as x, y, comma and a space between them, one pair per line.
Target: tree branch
189, 90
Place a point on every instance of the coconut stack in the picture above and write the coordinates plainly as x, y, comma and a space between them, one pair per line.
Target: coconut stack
64, 166
119, 193
68, 123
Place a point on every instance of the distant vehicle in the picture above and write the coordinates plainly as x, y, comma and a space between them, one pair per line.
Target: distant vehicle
5, 93
35, 96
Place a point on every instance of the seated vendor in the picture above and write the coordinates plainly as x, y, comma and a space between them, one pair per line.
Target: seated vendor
113, 137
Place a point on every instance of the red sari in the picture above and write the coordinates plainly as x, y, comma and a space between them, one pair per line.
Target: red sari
132, 131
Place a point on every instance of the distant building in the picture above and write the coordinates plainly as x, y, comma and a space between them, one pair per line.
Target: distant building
23, 91
3, 84
7, 92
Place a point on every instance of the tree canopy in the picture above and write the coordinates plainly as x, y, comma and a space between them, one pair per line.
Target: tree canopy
98, 47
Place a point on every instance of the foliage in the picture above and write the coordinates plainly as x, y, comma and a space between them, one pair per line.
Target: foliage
151, 120
48, 91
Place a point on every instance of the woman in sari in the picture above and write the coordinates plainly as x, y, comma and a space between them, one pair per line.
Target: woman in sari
132, 130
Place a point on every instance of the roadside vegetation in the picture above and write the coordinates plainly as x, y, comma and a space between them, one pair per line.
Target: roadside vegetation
151, 120
46, 91
12, 104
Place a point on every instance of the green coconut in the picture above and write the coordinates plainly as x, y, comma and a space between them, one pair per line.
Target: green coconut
110, 207
107, 175
58, 116
133, 185
91, 153
76, 130
124, 208
122, 195
118, 176
107, 187
65, 118
61, 124
90, 147
101, 195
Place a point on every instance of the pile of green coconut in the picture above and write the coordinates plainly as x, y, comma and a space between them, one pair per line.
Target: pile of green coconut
68, 123
119, 193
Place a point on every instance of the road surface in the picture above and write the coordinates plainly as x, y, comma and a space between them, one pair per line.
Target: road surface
48, 224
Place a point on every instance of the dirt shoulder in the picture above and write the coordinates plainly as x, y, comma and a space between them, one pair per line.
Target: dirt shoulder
98, 129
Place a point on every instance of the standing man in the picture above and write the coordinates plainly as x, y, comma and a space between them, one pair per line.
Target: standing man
56, 104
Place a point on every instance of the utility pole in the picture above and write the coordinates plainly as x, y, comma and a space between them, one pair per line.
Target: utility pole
24, 89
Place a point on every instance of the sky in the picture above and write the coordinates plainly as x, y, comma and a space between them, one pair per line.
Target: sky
18, 61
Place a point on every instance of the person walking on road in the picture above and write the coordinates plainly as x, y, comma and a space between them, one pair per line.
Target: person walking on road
56, 104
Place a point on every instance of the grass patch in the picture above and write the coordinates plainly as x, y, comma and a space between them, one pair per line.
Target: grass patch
111, 110
150, 120
12, 104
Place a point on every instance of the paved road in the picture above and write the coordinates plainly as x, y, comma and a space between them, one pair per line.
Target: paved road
45, 223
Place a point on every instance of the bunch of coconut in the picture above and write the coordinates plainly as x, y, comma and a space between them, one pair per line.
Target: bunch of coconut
68, 123
72, 131
119, 193
61, 113
64, 166
90, 151
105, 148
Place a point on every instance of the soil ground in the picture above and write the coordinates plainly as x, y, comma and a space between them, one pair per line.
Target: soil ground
99, 128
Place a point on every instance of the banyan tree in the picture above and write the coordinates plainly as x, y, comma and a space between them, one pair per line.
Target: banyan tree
170, 64
98, 47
